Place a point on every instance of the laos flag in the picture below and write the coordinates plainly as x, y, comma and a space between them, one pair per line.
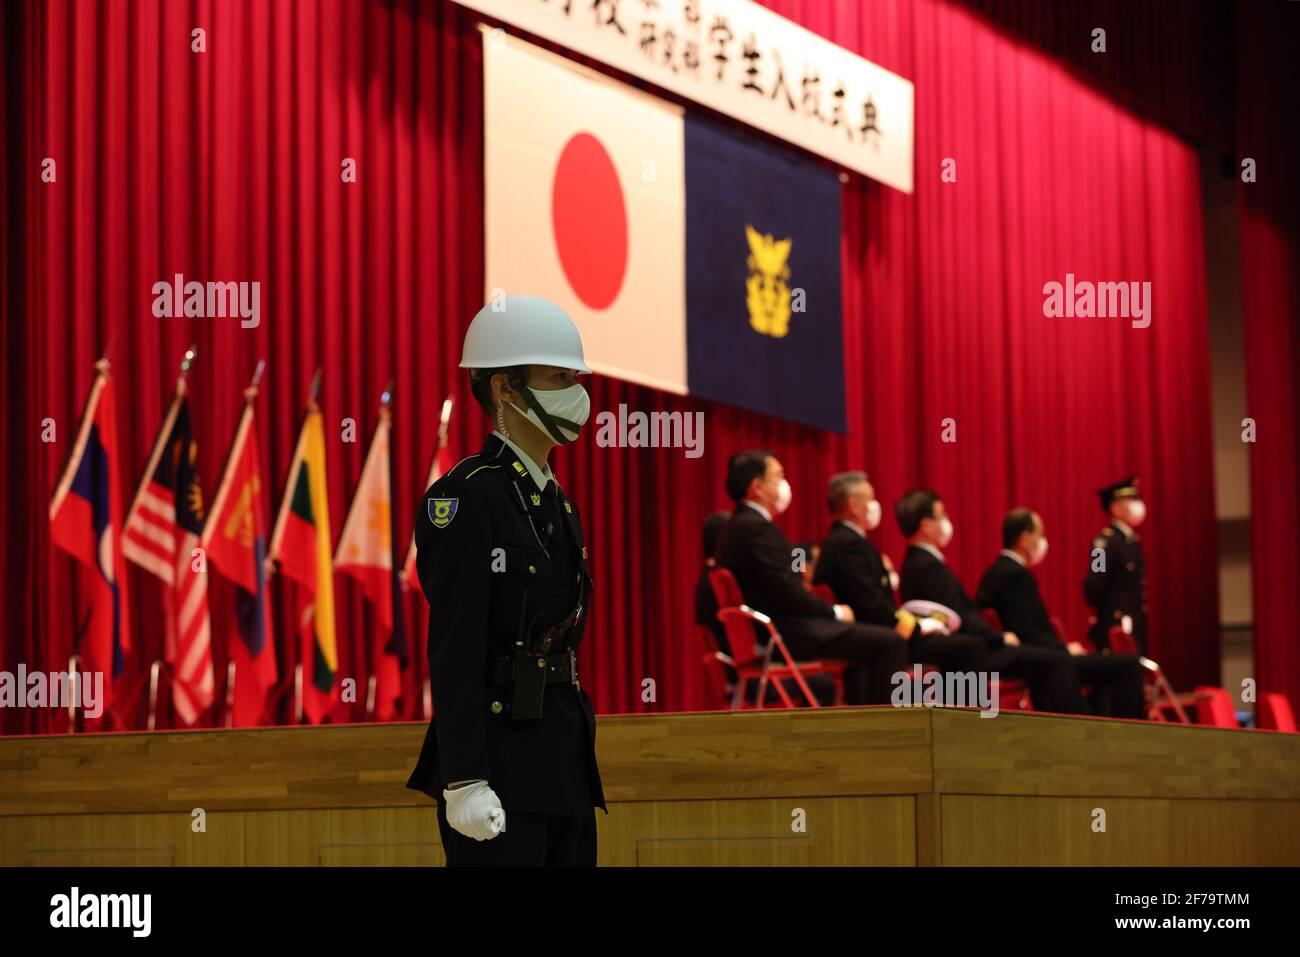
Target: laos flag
86, 521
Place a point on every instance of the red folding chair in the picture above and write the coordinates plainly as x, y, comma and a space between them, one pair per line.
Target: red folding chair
1275, 713
751, 661
1214, 708
715, 662
1013, 693
1160, 694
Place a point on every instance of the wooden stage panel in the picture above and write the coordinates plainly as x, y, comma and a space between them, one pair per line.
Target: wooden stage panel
1001, 829
875, 786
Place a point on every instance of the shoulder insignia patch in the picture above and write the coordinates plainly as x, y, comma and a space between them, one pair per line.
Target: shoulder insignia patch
567, 507
442, 511
519, 467
537, 498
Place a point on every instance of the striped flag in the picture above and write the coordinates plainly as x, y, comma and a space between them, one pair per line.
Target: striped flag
441, 464
162, 535
86, 521
365, 552
235, 537
301, 546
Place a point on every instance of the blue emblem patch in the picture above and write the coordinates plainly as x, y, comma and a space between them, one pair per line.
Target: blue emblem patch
442, 511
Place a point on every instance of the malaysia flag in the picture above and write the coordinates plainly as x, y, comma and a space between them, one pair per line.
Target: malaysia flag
86, 522
162, 535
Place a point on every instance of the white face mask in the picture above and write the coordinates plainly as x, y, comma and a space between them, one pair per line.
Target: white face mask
783, 496
945, 532
1136, 513
873, 515
568, 409
1040, 552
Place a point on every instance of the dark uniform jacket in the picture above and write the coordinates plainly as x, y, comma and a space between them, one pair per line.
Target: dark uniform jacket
501, 562
761, 559
1011, 589
1119, 590
926, 577
856, 573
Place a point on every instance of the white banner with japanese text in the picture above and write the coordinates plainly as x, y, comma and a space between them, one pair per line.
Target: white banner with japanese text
746, 62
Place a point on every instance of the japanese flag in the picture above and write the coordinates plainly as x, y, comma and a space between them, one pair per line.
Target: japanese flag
585, 206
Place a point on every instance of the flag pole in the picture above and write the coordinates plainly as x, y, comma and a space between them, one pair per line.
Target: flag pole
102, 371
223, 489
155, 455
443, 423
282, 515
164, 435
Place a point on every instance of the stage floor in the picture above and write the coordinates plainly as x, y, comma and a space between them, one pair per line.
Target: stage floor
841, 786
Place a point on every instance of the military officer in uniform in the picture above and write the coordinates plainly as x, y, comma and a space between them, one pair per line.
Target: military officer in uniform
1115, 587
510, 752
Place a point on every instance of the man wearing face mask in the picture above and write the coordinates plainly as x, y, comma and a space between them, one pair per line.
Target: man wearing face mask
1115, 587
859, 576
766, 569
923, 519
510, 752
1011, 589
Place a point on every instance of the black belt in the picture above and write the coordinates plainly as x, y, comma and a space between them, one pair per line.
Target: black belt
560, 669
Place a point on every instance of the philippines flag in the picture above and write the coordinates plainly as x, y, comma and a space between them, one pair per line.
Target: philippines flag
366, 552
162, 535
86, 522
235, 538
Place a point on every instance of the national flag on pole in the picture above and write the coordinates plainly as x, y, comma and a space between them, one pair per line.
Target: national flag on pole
163, 530
365, 551
86, 521
301, 545
235, 538
441, 464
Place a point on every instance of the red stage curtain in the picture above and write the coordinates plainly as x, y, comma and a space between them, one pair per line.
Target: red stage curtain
225, 166
1268, 101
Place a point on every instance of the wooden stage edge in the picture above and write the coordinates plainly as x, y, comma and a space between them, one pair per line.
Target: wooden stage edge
841, 786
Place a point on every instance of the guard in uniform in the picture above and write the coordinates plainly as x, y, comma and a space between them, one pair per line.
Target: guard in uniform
1115, 587
510, 752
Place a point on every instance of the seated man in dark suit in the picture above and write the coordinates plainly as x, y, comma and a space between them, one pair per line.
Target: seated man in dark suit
924, 521
706, 614
767, 570
1010, 589
857, 574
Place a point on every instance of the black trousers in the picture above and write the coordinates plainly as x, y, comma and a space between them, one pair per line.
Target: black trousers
1051, 676
876, 651
1116, 684
955, 652
529, 840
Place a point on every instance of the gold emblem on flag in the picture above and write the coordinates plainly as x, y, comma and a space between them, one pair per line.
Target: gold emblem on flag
767, 290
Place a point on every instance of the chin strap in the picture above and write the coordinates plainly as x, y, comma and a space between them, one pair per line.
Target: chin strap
552, 423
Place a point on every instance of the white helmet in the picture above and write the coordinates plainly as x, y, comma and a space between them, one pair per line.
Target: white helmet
522, 330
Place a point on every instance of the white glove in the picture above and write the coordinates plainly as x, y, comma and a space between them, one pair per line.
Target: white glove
932, 626
475, 811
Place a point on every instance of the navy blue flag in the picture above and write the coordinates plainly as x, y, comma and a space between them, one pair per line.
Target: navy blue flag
763, 305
